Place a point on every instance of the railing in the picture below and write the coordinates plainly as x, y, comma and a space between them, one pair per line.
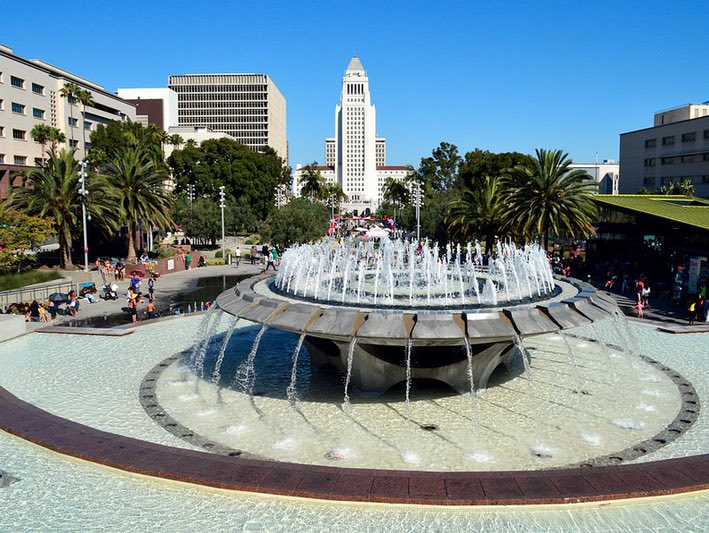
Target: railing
39, 292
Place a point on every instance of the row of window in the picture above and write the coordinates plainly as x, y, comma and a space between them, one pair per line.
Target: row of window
668, 180
209, 96
691, 158
20, 84
670, 139
239, 88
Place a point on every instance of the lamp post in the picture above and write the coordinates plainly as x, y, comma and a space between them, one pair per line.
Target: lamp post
418, 202
190, 195
222, 206
83, 192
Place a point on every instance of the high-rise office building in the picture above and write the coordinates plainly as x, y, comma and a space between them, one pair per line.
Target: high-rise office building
355, 158
249, 107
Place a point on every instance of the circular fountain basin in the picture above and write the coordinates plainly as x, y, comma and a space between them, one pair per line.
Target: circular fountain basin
372, 342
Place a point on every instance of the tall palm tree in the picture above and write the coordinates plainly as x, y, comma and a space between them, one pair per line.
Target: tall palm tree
176, 140
164, 139
56, 136
85, 99
42, 134
138, 182
480, 212
547, 196
333, 195
396, 193
313, 183
52, 192
70, 90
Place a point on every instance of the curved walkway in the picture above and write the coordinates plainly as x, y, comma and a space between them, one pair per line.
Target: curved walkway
432, 488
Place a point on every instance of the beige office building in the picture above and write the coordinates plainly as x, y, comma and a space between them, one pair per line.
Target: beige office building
669, 153
249, 107
29, 95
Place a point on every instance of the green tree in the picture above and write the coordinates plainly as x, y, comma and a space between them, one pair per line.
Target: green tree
243, 172
70, 91
548, 197
240, 217
139, 185
333, 196
85, 98
20, 233
52, 192
299, 221
395, 193
480, 213
440, 171
56, 137
41, 133
313, 184
176, 140
478, 164
113, 138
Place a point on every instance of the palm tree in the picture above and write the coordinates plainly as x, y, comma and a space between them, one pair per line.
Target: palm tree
313, 183
547, 196
42, 134
163, 138
176, 140
480, 212
70, 90
138, 182
52, 192
56, 136
85, 99
333, 195
396, 193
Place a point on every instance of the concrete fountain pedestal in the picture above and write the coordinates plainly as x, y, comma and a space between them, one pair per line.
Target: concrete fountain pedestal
373, 342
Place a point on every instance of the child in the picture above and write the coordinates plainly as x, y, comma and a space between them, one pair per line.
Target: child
639, 307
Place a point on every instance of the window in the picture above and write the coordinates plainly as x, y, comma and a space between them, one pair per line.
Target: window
19, 134
668, 141
650, 143
665, 180
38, 161
17, 82
73, 121
2, 131
18, 108
689, 137
87, 125
705, 179
706, 134
20, 160
668, 160
2, 158
37, 88
706, 157
74, 143
649, 181
650, 162
2, 104
38, 113
690, 158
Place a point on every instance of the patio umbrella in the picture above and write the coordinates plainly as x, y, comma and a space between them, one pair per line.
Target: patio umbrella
138, 273
58, 297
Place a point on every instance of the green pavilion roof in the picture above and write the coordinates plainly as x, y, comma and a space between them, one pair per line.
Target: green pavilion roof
687, 210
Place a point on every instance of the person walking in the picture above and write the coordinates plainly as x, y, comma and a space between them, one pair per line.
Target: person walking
645, 296
692, 310
237, 256
253, 255
269, 260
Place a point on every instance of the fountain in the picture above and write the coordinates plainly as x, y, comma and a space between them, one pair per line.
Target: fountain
362, 307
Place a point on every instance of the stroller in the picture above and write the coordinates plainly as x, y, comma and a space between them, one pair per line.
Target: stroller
109, 291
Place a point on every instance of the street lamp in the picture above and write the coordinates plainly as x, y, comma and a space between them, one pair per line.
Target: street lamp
418, 202
83, 192
222, 206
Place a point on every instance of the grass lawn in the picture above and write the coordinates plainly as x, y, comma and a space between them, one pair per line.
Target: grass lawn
15, 280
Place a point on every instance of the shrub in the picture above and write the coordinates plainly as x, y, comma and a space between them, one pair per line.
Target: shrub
218, 254
251, 240
214, 261
162, 252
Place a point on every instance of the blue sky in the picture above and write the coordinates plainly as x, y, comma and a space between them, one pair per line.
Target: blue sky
498, 76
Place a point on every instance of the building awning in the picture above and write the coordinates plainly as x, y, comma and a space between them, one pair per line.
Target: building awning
687, 210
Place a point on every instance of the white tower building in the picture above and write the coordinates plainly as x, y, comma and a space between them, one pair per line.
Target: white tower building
355, 139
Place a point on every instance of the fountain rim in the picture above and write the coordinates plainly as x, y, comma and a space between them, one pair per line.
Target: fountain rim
251, 300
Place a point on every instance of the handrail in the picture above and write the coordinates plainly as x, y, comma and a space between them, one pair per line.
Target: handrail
36, 292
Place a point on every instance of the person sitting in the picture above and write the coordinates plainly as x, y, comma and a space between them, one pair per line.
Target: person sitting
201, 262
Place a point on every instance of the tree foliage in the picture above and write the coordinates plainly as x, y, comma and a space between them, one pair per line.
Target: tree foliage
299, 221
52, 192
20, 233
242, 172
548, 197
478, 164
115, 137
440, 171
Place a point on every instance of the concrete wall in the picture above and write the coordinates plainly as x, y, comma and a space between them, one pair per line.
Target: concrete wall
12, 326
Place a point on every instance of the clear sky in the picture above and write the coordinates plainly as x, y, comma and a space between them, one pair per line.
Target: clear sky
500, 76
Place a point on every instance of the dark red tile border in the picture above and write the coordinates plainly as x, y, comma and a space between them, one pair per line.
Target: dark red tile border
330, 483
